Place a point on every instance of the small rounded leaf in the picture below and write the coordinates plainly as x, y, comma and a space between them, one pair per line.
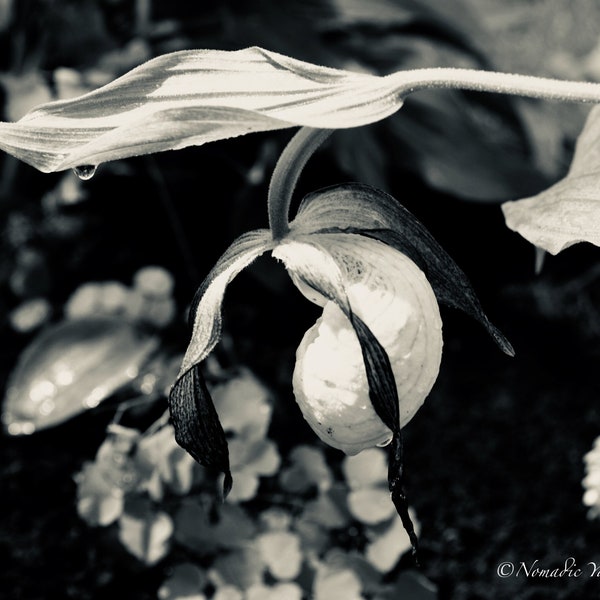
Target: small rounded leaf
371, 505
369, 468
281, 553
146, 533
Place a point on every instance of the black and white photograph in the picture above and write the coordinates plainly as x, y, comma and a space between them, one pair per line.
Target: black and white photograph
299, 300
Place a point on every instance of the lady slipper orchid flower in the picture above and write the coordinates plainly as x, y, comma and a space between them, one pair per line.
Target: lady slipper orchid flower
366, 366
389, 293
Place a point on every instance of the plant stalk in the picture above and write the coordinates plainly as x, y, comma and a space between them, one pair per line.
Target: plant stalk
285, 176
493, 81
307, 139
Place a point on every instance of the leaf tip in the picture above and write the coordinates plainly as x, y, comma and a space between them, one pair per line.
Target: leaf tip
502, 342
227, 484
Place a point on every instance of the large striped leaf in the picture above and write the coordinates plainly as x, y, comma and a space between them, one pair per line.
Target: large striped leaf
192, 97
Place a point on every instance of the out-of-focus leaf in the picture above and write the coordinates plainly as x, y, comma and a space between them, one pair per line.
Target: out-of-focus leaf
242, 568
193, 528
324, 511
145, 532
464, 146
251, 459
244, 406
412, 585
279, 591
234, 528
384, 550
196, 530
114, 457
184, 583
447, 25
148, 301
260, 456
334, 583
245, 486
366, 469
161, 455
281, 553
23, 92
370, 578
371, 505
308, 468
71, 367
275, 519
228, 592
30, 315
367, 476
6, 10
568, 212
383, 12
314, 537
99, 502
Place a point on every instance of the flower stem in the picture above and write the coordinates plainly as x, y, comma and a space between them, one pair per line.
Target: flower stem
307, 139
498, 82
286, 173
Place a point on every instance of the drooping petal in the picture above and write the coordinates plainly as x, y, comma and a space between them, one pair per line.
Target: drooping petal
196, 423
356, 388
195, 419
192, 97
377, 343
362, 209
205, 311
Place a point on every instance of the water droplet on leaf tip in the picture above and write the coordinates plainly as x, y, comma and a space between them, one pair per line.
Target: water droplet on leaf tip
85, 172
385, 443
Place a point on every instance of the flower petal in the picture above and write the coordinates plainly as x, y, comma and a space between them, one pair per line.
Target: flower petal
192, 97
381, 310
205, 311
196, 423
362, 209
195, 419
332, 275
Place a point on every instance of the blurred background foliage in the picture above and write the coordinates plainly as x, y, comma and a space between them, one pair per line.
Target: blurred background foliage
494, 458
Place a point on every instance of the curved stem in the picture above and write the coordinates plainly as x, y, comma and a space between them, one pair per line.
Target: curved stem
494, 81
286, 173
307, 139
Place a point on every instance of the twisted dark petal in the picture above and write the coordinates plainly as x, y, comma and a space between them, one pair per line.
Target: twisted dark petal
384, 397
448, 281
396, 483
318, 271
197, 426
365, 210
382, 384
